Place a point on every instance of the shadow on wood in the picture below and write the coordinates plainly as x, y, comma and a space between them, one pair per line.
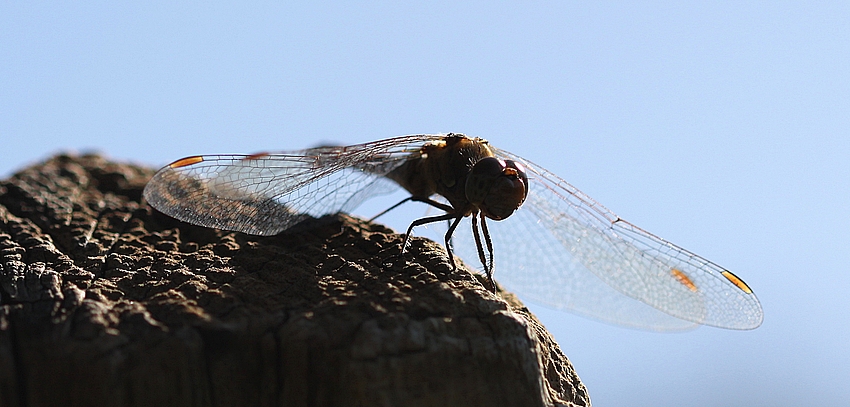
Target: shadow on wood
107, 302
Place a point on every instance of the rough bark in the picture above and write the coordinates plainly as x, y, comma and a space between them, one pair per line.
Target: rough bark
107, 302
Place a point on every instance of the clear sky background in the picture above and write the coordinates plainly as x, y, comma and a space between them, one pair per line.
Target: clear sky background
723, 128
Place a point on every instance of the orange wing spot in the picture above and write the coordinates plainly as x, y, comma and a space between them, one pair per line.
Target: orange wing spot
737, 281
684, 279
256, 156
185, 162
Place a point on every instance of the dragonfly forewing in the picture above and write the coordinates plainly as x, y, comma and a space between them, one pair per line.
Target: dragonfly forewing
265, 194
585, 240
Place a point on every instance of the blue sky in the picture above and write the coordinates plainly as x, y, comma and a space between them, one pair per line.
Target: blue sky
721, 127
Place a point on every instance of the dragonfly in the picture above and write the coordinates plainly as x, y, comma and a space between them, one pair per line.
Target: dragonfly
557, 246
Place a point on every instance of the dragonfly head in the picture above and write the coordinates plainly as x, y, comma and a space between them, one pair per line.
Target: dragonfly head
497, 187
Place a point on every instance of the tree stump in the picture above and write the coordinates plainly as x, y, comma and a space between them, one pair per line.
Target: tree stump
107, 302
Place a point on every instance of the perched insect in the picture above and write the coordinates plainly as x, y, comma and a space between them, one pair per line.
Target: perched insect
561, 248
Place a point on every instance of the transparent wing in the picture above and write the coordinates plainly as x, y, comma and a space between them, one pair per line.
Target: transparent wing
264, 194
560, 248
564, 250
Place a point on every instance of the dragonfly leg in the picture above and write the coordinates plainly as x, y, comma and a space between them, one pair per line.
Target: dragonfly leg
429, 201
430, 219
449, 243
449, 233
438, 205
390, 208
489, 243
488, 266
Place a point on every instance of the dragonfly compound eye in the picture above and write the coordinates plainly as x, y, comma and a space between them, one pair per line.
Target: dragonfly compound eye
496, 187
